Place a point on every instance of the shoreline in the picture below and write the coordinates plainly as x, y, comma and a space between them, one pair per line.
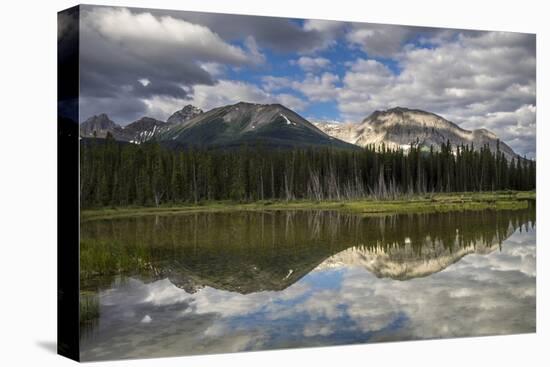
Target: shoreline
428, 203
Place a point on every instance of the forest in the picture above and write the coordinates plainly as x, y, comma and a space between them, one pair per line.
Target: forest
115, 174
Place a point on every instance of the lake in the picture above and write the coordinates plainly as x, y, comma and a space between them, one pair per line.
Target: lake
236, 281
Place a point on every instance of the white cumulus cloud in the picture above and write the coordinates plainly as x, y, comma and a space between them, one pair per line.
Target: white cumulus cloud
312, 64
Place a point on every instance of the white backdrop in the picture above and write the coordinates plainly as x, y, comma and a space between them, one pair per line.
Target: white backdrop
28, 181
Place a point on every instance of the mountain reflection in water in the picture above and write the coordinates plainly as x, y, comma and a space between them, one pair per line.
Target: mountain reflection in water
218, 282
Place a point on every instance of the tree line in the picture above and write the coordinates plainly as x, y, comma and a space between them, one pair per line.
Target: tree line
114, 174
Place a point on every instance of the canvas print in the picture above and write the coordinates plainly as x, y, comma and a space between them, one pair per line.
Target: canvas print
252, 183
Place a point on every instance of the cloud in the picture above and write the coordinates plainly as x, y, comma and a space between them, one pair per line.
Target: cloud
291, 101
324, 26
271, 83
364, 75
254, 50
171, 36
379, 40
163, 106
178, 55
144, 81
227, 92
206, 97
213, 68
120, 109
231, 91
388, 41
329, 31
281, 35
311, 64
318, 88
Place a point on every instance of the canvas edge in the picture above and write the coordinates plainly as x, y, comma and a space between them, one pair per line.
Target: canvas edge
68, 206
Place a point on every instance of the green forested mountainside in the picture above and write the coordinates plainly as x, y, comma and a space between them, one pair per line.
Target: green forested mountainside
114, 174
229, 127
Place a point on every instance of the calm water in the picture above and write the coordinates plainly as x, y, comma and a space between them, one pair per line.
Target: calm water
206, 283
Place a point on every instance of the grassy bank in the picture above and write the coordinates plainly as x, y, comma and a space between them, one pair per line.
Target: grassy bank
420, 203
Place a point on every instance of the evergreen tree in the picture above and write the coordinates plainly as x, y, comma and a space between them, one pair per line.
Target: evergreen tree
115, 174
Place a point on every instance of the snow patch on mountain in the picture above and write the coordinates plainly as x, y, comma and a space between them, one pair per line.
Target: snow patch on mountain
288, 122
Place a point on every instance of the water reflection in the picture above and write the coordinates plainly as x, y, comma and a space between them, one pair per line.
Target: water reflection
242, 281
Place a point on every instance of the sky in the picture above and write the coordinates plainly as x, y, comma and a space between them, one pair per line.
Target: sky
144, 62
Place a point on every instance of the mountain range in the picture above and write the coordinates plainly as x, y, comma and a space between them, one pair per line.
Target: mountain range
400, 127
274, 125
138, 131
232, 126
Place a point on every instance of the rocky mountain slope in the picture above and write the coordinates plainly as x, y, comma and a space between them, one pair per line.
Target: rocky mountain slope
98, 126
270, 125
138, 131
399, 127
186, 113
142, 130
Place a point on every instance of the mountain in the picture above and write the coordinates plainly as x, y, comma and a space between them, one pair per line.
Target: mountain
399, 127
186, 113
142, 130
406, 262
271, 125
136, 132
98, 126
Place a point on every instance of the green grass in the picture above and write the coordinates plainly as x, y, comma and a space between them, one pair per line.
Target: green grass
104, 257
443, 202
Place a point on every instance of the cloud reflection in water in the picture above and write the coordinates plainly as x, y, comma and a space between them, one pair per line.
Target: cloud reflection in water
481, 294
